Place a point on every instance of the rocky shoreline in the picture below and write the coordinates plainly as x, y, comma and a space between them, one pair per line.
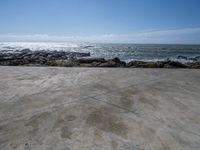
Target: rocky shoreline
27, 57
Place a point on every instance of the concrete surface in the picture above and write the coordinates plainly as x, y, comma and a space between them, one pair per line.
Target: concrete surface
99, 109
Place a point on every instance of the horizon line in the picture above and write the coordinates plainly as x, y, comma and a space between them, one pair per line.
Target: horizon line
168, 36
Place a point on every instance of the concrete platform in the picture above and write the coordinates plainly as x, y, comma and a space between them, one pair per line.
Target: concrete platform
99, 109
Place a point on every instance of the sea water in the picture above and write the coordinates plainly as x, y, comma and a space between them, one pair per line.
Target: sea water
126, 52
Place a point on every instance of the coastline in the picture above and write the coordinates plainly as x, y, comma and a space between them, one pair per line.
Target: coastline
26, 57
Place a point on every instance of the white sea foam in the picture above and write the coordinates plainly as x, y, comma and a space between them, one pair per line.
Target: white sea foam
12, 46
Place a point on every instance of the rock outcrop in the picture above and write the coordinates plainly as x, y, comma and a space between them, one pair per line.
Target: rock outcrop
27, 57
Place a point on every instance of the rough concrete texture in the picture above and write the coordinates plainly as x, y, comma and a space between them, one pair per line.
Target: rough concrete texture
99, 109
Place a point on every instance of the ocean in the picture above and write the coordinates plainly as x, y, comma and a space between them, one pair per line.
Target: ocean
126, 52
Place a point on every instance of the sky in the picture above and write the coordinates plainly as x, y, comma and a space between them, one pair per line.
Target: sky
121, 21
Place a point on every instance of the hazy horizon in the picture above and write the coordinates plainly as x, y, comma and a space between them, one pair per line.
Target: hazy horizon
105, 21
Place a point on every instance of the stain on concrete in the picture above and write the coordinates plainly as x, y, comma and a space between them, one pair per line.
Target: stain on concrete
98, 133
180, 140
126, 100
27, 146
63, 120
164, 145
104, 120
66, 133
35, 121
105, 86
4, 128
124, 97
148, 101
70, 118
114, 145
13, 145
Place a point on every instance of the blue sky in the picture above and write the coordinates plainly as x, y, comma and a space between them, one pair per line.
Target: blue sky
131, 21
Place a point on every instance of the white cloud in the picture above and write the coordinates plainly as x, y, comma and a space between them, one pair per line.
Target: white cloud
186, 35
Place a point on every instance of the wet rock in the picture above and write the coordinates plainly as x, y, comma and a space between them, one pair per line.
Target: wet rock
81, 54
75, 59
25, 50
182, 57
116, 59
26, 57
194, 65
142, 64
193, 59
116, 62
174, 64
91, 60
88, 46
100, 62
108, 63
158, 64
7, 58
197, 57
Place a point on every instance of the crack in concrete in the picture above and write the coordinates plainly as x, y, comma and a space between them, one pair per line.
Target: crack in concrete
114, 105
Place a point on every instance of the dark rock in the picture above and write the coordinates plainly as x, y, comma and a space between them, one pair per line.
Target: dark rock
71, 62
100, 62
142, 64
197, 57
6, 58
193, 59
109, 63
116, 62
86, 65
88, 46
159, 64
182, 57
194, 65
61, 63
25, 50
81, 54
96, 64
116, 59
91, 60
174, 64
73, 59
26, 56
